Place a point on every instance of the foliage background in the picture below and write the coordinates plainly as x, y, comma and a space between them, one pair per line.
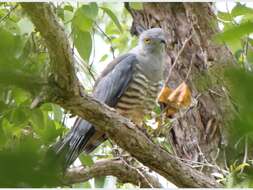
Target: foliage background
98, 32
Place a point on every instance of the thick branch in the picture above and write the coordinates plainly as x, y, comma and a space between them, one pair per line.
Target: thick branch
45, 20
118, 128
117, 168
130, 138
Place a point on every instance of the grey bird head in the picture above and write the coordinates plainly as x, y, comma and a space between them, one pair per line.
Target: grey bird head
152, 40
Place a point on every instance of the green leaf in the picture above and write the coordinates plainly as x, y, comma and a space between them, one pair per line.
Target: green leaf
240, 167
19, 95
37, 118
242, 92
7, 127
83, 44
51, 131
10, 44
250, 56
11, 26
82, 185
58, 113
136, 6
86, 160
85, 16
113, 17
224, 16
3, 107
68, 16
103, 58
60, 12
234, 45
47, 107
100, 182
86, 185
68, 8
18, 116
157, 110
90, 10
240, 9
238, 55
81, 21
235, 33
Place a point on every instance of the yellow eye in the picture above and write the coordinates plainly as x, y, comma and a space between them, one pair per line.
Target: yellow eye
147, 41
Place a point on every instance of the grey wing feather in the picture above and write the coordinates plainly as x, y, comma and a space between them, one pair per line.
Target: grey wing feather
108, 89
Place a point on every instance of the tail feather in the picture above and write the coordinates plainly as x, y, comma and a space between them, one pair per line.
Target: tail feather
81, 138
77, 147
74, 142
92, 146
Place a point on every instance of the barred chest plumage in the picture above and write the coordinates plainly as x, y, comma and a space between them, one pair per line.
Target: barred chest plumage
139, 98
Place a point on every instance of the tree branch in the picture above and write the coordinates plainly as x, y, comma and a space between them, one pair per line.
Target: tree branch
117, 127
115, 167
9, 13
61, 59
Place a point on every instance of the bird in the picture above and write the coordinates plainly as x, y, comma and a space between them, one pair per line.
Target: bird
130, 84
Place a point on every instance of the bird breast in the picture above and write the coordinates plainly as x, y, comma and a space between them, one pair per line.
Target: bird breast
139, 98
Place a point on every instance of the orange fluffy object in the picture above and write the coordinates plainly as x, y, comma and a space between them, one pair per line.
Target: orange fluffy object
174, 99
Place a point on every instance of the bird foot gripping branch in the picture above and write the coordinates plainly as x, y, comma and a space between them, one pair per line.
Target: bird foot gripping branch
172, 100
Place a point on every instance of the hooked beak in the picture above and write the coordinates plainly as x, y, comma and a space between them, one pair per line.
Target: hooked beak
162, 41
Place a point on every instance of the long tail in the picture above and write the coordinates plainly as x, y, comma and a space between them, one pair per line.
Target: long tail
81, 138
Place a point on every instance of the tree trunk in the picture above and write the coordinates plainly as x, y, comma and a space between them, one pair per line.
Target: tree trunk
199, 133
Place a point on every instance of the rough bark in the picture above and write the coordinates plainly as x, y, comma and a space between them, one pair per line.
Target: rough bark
124, 172
64, 90
199, 133
61, 77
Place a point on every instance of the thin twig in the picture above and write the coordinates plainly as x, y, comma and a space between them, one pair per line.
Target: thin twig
136, 169
229, 13
245, 152
116, 151
8, 14
82, 62
245, 51
109, 39
225, 160
37, 102
93, 58
178, 55
64, 119
94, 50
81, 65
73, 46
238, 142
215, 93
190, 68
191, 162
202, 154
